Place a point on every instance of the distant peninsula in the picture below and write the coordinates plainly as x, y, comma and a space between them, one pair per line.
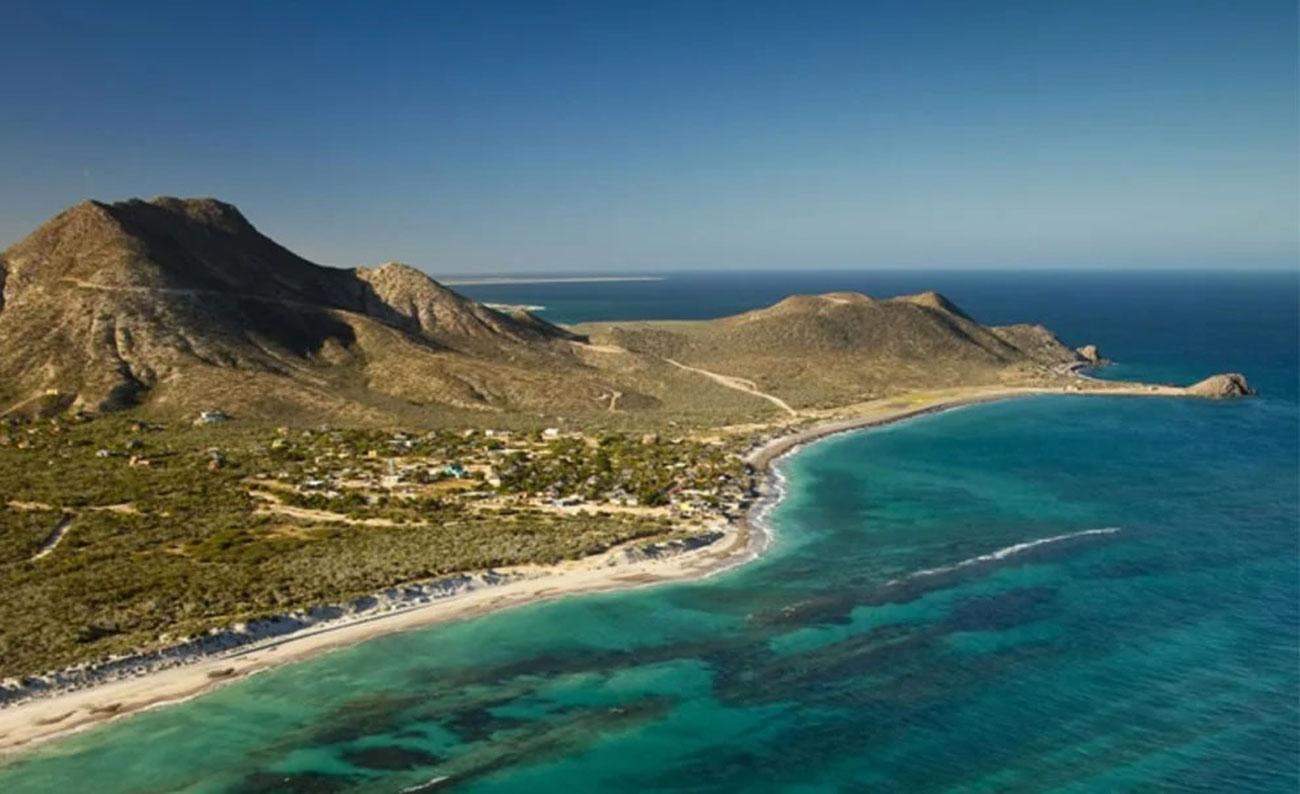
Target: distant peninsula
218, 456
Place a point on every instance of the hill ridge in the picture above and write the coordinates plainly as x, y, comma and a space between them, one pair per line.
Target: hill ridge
842, 347
177, 304
125, 297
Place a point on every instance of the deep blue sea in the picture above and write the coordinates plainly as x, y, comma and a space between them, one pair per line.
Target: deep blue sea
1047, 594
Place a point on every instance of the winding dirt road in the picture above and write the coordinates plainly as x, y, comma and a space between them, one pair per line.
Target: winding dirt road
739, 384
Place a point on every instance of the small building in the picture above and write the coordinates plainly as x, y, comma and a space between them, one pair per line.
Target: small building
212, 417
551, 432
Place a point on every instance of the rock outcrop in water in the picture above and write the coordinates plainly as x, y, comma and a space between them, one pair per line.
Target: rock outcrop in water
1224, 386
1090, 354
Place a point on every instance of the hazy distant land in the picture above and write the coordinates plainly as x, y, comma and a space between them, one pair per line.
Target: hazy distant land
486, 280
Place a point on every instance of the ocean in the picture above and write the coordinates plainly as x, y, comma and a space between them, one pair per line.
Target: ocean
1045, 594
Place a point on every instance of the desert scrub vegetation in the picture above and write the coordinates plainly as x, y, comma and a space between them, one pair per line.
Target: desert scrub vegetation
175, 530
24, 530
619, 464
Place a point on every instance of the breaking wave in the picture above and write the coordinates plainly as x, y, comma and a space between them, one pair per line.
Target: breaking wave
1003, 553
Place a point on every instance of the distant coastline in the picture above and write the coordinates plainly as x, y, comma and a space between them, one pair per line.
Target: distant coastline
490, 280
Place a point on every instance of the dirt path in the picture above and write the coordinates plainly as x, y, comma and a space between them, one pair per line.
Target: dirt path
60, 529
1077, 369
599, 348
273, 504
739, 384
20, 505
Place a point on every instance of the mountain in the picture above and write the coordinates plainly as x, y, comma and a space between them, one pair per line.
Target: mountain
180, 303
842, 347
172, 306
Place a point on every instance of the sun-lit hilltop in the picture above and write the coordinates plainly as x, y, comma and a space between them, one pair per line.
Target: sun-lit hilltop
826, 350
176, 305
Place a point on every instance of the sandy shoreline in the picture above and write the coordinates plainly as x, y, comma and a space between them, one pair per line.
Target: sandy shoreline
30, 722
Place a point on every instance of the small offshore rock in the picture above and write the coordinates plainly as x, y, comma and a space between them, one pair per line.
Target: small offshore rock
1223, 386
1090, 354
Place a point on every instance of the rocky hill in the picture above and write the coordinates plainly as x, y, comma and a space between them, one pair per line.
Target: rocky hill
177, 303
172, 306
837, 348
1222, 386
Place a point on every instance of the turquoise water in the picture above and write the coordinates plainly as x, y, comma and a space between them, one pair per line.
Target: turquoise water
1059, 593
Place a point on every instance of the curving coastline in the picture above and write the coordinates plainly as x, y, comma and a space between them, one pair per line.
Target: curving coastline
49, 715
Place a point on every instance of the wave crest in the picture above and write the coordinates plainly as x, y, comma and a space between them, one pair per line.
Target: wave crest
1003, 553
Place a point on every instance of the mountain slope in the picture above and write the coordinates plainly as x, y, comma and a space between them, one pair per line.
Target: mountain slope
110, 305
177, 305
823, 350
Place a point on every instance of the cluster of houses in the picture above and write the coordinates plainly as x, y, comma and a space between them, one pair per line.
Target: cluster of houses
553, 470
470, 468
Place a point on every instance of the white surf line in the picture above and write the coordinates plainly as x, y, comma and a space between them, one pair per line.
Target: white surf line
739, 384
1002, 553
428, 785
60, 529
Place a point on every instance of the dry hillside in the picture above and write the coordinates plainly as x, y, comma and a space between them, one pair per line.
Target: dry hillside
175, 305
172, 306
815, 351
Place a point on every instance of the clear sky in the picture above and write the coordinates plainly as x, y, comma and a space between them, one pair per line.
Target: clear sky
617, 137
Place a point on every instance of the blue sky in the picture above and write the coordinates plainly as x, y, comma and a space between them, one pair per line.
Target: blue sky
604, 136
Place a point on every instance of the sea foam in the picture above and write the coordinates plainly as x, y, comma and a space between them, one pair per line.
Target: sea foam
1003, 553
